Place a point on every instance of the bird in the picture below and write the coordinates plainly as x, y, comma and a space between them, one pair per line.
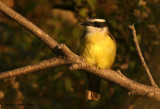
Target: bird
98, 48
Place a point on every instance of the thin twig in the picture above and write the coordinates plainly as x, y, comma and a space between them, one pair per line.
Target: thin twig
141, 56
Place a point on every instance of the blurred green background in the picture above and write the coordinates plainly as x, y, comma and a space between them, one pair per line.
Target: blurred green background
60, 88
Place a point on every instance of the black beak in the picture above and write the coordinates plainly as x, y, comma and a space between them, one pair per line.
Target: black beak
86, 23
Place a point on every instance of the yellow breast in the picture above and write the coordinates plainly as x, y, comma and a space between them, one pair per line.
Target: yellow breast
99, 49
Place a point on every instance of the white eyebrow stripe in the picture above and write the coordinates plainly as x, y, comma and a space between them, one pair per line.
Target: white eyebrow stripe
98, 20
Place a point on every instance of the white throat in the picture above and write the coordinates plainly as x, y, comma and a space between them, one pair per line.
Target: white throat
92, 29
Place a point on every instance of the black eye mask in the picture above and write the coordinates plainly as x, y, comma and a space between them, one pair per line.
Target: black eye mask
95, 24
98, 24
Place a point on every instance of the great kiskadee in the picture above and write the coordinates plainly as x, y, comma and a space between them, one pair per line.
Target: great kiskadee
98, 47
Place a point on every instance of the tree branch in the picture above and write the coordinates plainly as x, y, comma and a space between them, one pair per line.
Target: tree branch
75, 61
49, 41
121, 80
141, 56
32, 68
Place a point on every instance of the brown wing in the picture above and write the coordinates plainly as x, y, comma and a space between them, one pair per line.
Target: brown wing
111, 36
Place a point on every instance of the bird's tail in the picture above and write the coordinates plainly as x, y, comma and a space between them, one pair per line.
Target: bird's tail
93, 90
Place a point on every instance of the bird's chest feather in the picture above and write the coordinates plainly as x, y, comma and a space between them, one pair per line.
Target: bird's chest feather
99, 49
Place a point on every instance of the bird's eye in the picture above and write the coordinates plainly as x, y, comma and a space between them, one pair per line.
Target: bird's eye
96, 24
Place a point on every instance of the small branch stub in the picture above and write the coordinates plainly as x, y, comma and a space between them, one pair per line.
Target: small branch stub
66, 51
